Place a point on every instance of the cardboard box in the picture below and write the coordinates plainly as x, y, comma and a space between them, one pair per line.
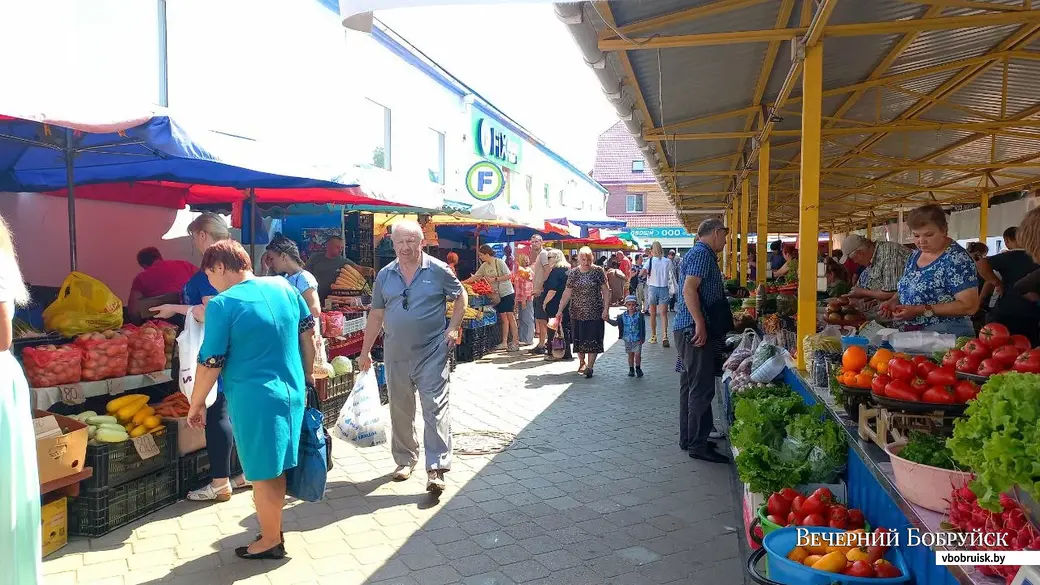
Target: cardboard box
62, 456
55, 525
189, 440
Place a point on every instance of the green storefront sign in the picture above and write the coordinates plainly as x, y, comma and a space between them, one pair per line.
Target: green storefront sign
494, 142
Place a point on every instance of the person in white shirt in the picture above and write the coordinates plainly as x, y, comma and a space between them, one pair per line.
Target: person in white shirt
660, 277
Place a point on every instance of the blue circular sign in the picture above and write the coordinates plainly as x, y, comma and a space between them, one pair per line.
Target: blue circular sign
485, 181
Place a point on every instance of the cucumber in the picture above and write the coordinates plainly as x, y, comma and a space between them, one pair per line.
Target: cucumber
106, 435
83, 416
111, 427
101, 420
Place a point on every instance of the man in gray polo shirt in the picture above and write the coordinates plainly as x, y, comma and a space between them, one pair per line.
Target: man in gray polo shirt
408, 306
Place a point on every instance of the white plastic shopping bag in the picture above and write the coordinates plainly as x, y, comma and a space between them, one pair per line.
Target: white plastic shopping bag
361, 419
189, 343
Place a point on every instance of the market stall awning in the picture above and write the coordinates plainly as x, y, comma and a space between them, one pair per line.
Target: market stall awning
590, 220
609, 243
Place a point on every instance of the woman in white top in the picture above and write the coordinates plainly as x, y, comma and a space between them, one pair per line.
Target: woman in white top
494, 270
659, 279
283, 257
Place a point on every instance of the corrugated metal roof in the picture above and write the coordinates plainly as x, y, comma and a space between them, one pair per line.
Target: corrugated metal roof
699, 81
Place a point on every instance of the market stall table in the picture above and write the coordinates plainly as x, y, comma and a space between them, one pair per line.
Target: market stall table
77, 393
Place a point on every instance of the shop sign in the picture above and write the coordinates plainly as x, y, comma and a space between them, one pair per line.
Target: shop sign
657, 233
494, 142
485, 181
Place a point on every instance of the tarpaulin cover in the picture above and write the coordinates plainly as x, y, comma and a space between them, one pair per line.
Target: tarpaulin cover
613, 242
492, 234
589, 220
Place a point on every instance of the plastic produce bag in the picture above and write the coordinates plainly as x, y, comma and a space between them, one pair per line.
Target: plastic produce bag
189, 343
84, 305
361, 420
103, 357
49, 365
147, 350
333, 324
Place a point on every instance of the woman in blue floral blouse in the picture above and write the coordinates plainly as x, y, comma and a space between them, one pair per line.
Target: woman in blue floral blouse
939, 288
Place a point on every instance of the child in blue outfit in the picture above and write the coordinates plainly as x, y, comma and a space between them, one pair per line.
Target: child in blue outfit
632, 330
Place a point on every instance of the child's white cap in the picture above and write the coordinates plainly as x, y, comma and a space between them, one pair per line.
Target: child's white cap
631, 299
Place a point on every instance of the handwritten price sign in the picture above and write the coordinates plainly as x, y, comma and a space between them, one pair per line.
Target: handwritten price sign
115, 386
71, 394
146, 447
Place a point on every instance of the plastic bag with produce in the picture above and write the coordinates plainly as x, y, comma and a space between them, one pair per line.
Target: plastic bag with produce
105, 355
49, 365
147, 350
84, 305
333, 324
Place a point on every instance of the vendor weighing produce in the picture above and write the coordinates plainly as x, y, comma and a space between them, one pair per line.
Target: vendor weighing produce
885, 262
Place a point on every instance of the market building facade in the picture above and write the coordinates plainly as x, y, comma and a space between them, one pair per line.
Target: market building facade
633, 193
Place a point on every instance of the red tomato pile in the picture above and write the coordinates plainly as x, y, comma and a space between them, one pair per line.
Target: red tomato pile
105, 355
995, 351
147, 350
919, 379
787, 507
50, 365
1012, 522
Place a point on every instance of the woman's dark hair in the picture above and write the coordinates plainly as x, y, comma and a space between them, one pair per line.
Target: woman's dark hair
977, 248
1011, 234
148, 256
925, 215
837, 270
283, 245
486, 250
229, 253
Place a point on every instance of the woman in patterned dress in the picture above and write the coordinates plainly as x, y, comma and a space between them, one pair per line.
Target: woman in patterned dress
939, 288
588, 297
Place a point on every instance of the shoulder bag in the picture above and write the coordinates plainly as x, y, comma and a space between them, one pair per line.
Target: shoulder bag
495, 297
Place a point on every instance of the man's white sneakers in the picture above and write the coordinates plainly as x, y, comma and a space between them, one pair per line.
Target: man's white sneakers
435, 481
403, 472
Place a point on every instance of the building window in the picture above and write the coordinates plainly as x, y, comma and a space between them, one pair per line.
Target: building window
373, 135
563, 198
634, 203
436, 153
638, 166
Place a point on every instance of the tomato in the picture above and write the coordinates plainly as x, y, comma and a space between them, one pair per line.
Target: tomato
989, 367
879, 383
842, 523
838, 511
952, 357
881, 357
938, 395
944, 376
968, 365
1027, 363
860, 569
863, 380
924, 368
886, 570
778, 506
854, 359
825, 495
976, 349
856, 519
792, 519
965, 390
813, 505
813, 520
1006, 354
774, 520
901, 369
796, 505
900, 390
1021, 342
918, 386
789, 493
995, 335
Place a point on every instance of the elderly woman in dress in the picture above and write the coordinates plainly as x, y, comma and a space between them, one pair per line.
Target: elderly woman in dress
260, 341
939, 288
523, 286
588, 297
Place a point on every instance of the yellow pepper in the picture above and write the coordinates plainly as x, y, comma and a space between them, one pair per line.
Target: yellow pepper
811, 560
856, 554
798, 554
832, 562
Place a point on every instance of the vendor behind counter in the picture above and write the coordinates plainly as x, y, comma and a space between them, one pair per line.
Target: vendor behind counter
325, 267
159, 279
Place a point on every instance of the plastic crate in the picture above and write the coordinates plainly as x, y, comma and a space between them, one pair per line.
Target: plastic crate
101, 512
355, 325
330, 408
329, 388
117, 463
193, 472
465, 353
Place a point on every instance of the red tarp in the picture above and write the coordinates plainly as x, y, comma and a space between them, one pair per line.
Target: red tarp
611, 242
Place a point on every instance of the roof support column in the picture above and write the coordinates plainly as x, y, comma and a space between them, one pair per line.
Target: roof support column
762, 233
984, 217
809, 205
730, 254
743, 243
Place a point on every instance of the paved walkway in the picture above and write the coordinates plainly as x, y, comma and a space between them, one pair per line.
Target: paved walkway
594, 491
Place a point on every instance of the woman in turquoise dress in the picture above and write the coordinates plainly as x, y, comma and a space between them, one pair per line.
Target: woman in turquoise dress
260, 341
20, 483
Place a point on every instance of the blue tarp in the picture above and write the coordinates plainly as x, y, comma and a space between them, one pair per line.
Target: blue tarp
490, 234
33, 157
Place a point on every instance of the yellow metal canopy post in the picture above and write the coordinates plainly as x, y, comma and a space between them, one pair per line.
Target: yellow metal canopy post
984, 217
745, 214
729, 254
762, 233
809, 207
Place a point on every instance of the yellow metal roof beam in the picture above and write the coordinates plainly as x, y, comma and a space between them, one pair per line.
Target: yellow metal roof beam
998, 165
832, 31
681, 16
941, 102
916, 126
971, 4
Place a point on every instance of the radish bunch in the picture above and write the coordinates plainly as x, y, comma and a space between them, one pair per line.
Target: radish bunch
1011, 521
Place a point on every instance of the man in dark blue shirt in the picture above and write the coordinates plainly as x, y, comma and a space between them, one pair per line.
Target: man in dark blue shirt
702, 320
776, 256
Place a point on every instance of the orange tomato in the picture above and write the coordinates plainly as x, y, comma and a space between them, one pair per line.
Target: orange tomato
882, 368
854, 358
863, 380
881, 356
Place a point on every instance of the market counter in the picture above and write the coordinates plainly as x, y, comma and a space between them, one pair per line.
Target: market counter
872, 489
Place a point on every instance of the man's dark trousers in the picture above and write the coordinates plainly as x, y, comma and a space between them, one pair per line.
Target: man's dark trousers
696, 392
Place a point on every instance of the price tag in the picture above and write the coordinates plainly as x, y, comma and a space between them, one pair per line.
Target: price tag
71, 394
115, 386
146, 447
156, 377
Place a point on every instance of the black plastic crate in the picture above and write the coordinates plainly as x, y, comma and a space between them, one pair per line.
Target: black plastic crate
465, 352
330, 408
101, 512
117, 463
193, 472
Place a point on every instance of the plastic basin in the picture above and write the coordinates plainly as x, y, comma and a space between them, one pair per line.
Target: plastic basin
783, 571
924, 485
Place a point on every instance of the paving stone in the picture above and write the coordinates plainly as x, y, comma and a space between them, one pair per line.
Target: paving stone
525, 571
489, 578
473, 565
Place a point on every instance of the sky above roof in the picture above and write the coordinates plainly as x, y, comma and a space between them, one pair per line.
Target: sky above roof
523, 60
